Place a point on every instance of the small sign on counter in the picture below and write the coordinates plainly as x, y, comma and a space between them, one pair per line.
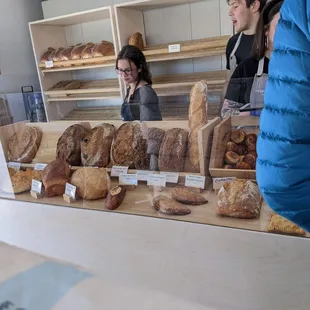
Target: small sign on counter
171, 177
36, 189
174, 48
70, 191
49, 64
128, 179
143, 175
219, 182
118, 170
39, 167
195, 181
158, 180
14, 165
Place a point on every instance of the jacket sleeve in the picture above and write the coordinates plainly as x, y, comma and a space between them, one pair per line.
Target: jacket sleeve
283, 165
149, 106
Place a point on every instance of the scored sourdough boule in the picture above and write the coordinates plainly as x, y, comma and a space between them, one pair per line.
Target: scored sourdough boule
197, 117
24, 144
69, 144
186, 196
172, 152
115, 197
231, 158
237, 136
239, 199
96, 146
54, 177
91, 183
169, 206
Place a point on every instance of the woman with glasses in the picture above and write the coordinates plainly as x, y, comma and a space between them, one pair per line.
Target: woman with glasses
248, 82
141, 101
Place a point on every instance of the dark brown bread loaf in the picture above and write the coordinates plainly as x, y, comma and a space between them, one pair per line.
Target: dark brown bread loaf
155, 137
173, 150
77, 51
69, 144
87, 51
24, 144
141, 158
47, 55
55, 176
104, 48
56, 55
96, 146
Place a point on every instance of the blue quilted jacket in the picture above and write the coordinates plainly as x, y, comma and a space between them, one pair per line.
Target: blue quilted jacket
283, 164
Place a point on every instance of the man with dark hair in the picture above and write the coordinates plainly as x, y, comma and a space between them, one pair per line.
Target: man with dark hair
244, 15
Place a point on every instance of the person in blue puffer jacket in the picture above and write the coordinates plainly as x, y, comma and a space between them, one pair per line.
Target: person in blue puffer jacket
283, 147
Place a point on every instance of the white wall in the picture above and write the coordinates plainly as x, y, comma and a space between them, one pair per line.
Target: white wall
17, 63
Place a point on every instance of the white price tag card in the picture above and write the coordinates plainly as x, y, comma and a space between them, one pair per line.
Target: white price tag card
14, 165
39, 167
128, 179
171, 177
219, 182
174, 48
195, 181
36, 186
49, 64
118, 170
157, 180
143, 175
70, 190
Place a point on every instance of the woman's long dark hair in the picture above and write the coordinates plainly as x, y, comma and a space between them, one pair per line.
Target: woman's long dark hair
132, 53
260, 40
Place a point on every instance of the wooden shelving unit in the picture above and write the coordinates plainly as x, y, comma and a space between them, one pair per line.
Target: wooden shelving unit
58, 32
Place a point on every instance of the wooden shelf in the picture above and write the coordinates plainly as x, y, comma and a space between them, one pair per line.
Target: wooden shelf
80, 64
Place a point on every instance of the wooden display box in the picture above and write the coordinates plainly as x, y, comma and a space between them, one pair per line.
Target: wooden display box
53, 130
249, 124
68, 30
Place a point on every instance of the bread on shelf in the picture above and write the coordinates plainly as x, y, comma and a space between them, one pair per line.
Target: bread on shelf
169, 206
24, 144
22, 180
281, 225
87, 51
137, 40
47, 55
104, 48
91, 183
239, 199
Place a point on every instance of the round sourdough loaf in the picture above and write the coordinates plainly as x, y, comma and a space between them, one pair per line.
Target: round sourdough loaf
24, 144
91, 183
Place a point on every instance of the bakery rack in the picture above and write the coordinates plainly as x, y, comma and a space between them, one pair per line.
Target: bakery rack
63, 31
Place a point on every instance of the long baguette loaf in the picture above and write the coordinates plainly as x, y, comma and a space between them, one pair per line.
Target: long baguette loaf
197, 119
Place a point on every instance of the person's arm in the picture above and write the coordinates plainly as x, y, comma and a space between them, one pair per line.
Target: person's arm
149, 106
283, 147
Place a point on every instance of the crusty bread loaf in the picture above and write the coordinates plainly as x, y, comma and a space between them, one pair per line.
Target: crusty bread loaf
56, 55
169, 206
22, 180
47, 55
69, 144
12, 171
141, 158
87, 51
239, 199
155, 137
197, 119
66, 54
24, 144
137, 40
184, 195
91, 183
77, 51
122, 150
104, 48
281, 225
96, 146
54, 177
172, 152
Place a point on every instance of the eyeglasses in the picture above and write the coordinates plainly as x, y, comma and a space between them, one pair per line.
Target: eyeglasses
126, 71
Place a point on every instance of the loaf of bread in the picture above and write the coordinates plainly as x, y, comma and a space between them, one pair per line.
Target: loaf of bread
91, 183
66, 54
155, 137
197, 116
169, 206
47, 55
69, 144
22, 180
239, 199
56, 55
141, 158
104, 48
137, 40
24, 144
172, 152
96, 146
87, 51
54, 177
122, 150
11, 171
184, 195
77, 51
